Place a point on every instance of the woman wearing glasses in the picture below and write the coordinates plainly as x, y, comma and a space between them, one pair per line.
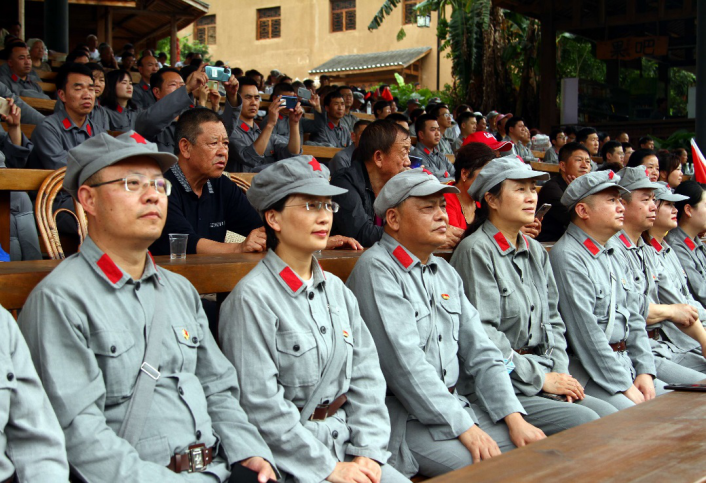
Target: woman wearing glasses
307, 366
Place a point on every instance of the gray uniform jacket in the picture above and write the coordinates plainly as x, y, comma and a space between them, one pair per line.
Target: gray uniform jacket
326, 132
349, 120
691, 253
31, 441
142, 95
524, 152
641, 274
421, 361
56, 136
282, 127
584, 271
89, 350
29, 114
106, 119
122, 119
434, 161
19, 87
516, 295
342, 159
279, 334
242, 155
445, 146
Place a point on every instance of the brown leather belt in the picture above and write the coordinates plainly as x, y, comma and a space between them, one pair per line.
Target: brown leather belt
526, 350
653, 333
620, 346
322, 412
194, 460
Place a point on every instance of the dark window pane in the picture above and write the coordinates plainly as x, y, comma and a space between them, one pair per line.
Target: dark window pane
275, 28
201, 34
338, 5
410, 15
337, 22
351, 20
264, 29
211, 36
269, 12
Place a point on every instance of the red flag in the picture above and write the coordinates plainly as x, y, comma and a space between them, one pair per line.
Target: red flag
386, 94
698, 161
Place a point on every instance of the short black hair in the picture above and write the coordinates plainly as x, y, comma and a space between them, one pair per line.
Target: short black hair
308, 83
472, 157
511, 123
126, 54
252, 72
609, 147
567, 150
380, 135
281, 87
420, 122
464, 117
71, 58
247, 81
625, 145
644, 140
570, 130
361, 123
13, 46
157, 79
140, 59
62, 76
189, 125
416, 113
637, 156
554, 133
395, 117
585, 133
380, 106
693, 191
668, 162
438, 107
332, 95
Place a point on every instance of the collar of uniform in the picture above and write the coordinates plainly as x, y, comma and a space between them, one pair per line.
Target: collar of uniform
501, 242
426, 150
592, 246
15, 78
405, 259
145, 86
288, 278
626, 241
656, 245
67, 123
182, 179
104, 266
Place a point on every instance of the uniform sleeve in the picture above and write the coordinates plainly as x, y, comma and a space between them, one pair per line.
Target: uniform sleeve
242, 149
577, 298
48, 152
35, 441
29, 114
366, 413
231, 114
409, 376
117, 121
352, 220
475, 267
695, 280
557, 325
15, 156
152, 121
76, 390
247, 331
637, 342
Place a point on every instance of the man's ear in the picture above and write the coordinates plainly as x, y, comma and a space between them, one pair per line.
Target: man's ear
62, 95
185, 148
393, 219
582, 210
87, 199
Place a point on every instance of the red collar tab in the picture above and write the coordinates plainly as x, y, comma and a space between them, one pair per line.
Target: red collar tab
138, 138
331, 125
402, 256
279, 116
527, 244
501, 241
111, 271
245, 127
15, 78
66, 123
291, 279
88, 129
119, 108
426, 151
425, 170
145, 87
690, 243
478, 204
591, 246
191, 106
656, 245
625, 240
315, 165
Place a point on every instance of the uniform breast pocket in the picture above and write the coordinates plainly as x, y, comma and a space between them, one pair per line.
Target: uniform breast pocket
189, 339
298, 358
603, 298
510, 305
8, 385
452, 308
348, 338
119, 361
423, 322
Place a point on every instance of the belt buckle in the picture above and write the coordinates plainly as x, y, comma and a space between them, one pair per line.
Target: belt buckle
197, 458
313, 419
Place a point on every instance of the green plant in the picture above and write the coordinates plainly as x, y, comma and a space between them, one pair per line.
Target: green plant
679, 139
185, 47
404, 92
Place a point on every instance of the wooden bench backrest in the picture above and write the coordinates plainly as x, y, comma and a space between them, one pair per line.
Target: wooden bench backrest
46, 76
320, 152
44, 106
48, 87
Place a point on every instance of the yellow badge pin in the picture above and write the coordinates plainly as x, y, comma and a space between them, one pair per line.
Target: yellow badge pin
185, 333
445, 296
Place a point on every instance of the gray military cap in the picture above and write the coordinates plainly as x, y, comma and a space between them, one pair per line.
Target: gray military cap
508, 167
410, 183
302, 175
491, 114
636, 178
590, 184
104, 150
665, 193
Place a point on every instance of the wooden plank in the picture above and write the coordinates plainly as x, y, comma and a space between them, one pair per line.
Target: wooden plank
45, 106
450, 158
245, 176
22, 179
547, 167
48, 87
46, 76
320, 152
539, 154
367, 116
135, 76
27, 129
662, 440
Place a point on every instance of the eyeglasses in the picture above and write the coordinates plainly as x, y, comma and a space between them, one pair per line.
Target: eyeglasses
332, 207
139, 184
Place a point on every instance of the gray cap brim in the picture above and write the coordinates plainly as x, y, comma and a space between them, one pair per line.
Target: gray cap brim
646, 184
423, 190
599, 188
519, 174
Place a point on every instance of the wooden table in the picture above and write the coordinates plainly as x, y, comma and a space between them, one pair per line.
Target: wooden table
658, 441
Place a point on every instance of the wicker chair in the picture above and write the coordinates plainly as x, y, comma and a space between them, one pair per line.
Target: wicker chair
232, 237
46, 216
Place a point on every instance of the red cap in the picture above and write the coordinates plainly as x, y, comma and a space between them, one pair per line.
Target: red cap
489, 140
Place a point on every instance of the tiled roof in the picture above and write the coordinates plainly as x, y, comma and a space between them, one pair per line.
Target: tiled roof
356, 62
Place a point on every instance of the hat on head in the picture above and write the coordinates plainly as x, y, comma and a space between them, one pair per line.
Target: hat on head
413, 100
358, 96
499, 118
491, 114
302, 175
665, 193
636, 178
590, 184
410, 183
434, 100
508, 167
477, 113
489, 140
104, 150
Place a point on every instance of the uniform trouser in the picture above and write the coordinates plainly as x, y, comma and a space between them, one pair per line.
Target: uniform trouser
691, 360
618, 400
552, 416
24, 241
437, 457
671, 371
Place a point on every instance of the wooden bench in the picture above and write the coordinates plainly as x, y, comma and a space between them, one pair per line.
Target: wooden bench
46, 76
546, 167
48, 87
135, 77
662, 440
323, 153
539, 154
27, 129
44, 106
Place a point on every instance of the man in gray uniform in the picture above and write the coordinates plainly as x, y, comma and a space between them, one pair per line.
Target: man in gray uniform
329, 129
282, 126
611, 354
140, 388
349, 120
142, 93
429, 337
640, 212
29, 114
342, 159
32, 443
17, 73
428, 138
252, 148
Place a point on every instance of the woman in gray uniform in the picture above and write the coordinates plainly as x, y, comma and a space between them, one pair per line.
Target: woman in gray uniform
508, 278
309, 372
117, 100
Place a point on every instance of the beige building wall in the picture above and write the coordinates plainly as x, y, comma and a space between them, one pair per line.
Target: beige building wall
307, 40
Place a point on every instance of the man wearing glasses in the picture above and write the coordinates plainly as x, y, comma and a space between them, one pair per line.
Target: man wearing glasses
131, 414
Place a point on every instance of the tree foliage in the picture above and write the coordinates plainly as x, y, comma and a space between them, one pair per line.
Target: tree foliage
185, 47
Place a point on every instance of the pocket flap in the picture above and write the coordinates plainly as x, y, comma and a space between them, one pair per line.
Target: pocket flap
295, 343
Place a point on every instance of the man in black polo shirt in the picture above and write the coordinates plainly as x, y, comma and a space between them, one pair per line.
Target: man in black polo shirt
575, 161
204, 204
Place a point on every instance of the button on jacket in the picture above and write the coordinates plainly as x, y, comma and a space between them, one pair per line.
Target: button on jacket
691, 253
356, 217
142, 95
31, 440
516, 295
222, 206
85, 325
243, 157
583, 270
278, 333
434, 161
421, 361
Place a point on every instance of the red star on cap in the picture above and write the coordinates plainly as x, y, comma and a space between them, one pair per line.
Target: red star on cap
315, 165
611, 175
648, 173
138, 138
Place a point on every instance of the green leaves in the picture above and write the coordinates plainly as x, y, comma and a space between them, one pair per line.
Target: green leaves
385, 10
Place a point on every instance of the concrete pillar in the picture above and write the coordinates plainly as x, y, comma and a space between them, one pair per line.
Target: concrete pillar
56, 25
548, 68
701, 99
